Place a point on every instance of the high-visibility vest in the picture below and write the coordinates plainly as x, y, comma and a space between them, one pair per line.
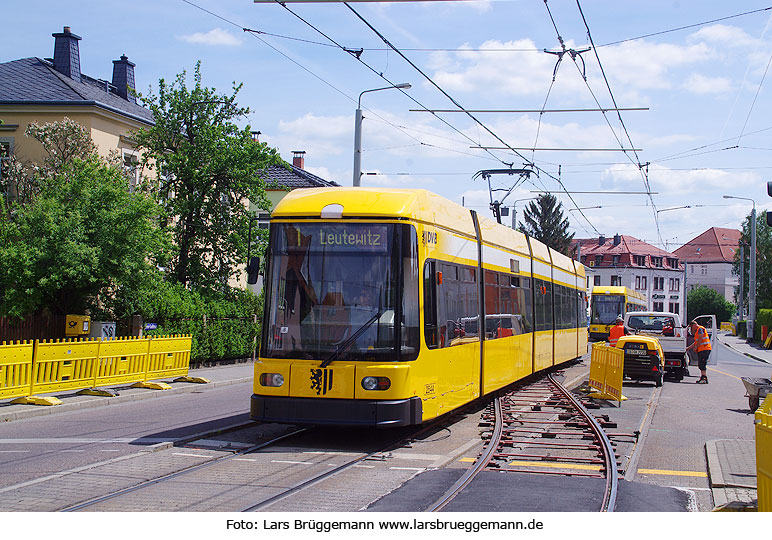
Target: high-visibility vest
702, 339
615, 333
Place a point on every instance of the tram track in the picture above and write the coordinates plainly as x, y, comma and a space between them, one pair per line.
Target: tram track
527, 418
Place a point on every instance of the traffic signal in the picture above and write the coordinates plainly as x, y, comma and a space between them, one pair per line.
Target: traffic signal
769, 192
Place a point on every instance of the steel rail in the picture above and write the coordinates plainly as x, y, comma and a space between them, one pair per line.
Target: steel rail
187, 470
479, 465
609, 457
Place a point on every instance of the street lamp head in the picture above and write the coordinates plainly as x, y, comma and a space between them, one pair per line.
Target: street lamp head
404, 85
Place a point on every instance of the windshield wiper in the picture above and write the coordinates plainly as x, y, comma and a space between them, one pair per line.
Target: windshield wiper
350, 340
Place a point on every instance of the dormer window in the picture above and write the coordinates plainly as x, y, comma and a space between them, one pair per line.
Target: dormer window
656, 261
639, 260
616, 260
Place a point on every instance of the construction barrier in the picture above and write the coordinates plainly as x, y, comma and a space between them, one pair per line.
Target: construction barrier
763, 421
15, 368
606, 372
727, 327
44, 367
168, 357
122, 360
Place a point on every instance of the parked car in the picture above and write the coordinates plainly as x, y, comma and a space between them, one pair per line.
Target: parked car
644, 358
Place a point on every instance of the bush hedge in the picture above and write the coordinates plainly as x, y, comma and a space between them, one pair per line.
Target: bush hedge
221, 323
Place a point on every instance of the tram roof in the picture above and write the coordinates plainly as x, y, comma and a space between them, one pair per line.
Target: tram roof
416, 204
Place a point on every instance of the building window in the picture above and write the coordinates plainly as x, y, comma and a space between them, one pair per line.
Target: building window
691, 269
616, 281
640, 283
596, 280
672, 263
659, 306
639, 260
656, 261
6, 149
703, 269
598, 260
131, 167
616, 260
675, 284
674, 307
659, 284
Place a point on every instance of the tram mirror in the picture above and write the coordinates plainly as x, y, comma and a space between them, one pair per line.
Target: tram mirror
253, 270
439, 278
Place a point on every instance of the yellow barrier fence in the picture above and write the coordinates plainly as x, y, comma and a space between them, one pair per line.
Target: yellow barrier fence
61, 365
727, 327
168, 357
606, 367
763, 421
15, 368
122, 360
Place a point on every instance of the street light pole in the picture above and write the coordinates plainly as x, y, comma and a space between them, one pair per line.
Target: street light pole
358, 131
752, 277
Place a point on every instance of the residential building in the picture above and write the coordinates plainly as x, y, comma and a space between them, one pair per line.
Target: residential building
709, 259
627, 261
49, 89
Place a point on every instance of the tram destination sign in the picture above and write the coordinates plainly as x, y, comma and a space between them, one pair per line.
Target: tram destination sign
352, 237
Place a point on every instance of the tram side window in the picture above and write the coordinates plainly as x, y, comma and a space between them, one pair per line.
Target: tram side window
543, 305
430, 305
526, 308
457, 297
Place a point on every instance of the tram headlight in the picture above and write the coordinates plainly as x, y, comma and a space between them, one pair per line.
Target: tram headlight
376, 383
271, 379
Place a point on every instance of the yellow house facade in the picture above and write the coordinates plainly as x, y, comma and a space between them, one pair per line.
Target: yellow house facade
44, 90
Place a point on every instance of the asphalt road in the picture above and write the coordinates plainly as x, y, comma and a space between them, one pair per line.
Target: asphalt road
49, 444
686, 415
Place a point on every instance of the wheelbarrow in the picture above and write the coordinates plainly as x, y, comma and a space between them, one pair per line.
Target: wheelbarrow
756, 389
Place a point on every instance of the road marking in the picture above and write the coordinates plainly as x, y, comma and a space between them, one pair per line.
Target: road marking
409, 455
467, 460
292, 462
722, 373
189, 455
78, 440
555, 465
365, 466
407, 468
14, 451
673, 473
243, 459
109, 450
71, 451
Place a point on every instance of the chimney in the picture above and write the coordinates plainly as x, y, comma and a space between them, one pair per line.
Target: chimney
123, 78
617, 239
66, 54
601, 240
298, 159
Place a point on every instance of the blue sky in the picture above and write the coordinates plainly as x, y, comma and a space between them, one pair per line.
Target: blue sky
707, 131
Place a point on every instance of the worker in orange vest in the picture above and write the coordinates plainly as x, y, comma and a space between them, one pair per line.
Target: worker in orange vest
616, 332
702, 346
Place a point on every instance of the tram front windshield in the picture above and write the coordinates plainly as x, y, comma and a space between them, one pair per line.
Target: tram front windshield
606, 309
342, 291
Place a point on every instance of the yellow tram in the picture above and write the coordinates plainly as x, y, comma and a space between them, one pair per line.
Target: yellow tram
373, 305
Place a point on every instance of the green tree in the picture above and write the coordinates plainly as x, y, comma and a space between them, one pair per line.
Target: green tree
544, 221
81, 236
763, 261
703, 300
209, 171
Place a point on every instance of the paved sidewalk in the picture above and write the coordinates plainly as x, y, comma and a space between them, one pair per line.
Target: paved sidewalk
218, 376
732, 472
752, 350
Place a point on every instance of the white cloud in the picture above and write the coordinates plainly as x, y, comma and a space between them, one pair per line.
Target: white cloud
700, 84
725, 36
217, 36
